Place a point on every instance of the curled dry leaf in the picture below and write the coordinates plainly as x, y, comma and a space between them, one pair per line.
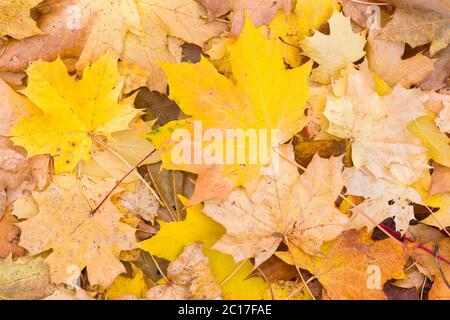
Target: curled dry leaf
190, 278
78, 238
18, 174
284, 206
9, 236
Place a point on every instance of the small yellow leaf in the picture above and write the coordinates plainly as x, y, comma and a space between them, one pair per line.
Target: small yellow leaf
432, 138
124, 286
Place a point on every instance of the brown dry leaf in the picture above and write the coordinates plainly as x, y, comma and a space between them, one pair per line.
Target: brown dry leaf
9, 236
353, 265
428, 266
190, 278
18, 174
284, 206
78, 238
440, 180
24, 279
385, 59
62, 293
436, 80
260, 11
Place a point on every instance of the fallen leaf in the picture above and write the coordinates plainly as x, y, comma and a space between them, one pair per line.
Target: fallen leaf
385, 59
9, 236
190, 278
353, 266
259, 11
328, 51
261, 81
27, 278
170, 241
72, 111
440, 180
78, 238
377, 127
18, 174
283, 207
436, 80
383, 199
123, 287
439, 290
416, 26
16, 20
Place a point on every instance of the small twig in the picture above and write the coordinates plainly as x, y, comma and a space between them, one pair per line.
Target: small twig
120, 181
370, 3
289, 44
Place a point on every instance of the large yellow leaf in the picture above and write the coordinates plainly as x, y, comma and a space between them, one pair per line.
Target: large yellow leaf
260, 83
124, 287
328, 50
353, 266
78, 238
16, 20
72, 111
282, 206
170, 241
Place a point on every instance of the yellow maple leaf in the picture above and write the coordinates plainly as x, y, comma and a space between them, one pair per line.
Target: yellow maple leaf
16, 20
170, 241
353, 265
330, 52
71, 111
65, 224
308, 15
261, 82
